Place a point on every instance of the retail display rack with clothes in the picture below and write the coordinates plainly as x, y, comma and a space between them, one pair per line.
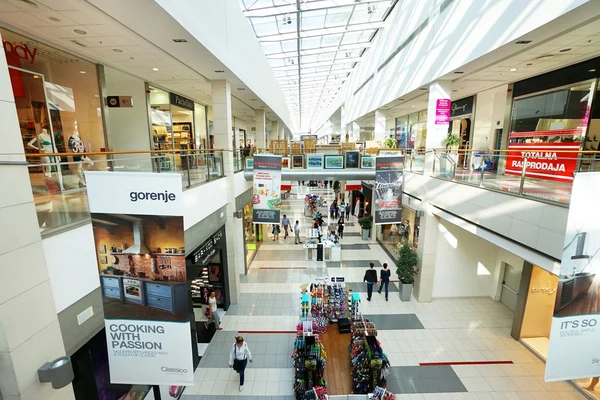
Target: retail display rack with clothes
369, 364
380, 393
309, 363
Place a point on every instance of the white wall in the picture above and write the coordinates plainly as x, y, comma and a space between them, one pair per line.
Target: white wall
241, 184
489, 116
463, 33
203, 200
72, 265
467, 265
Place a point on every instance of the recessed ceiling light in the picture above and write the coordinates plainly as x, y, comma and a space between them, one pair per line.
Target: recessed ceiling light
180, 40
155, 91
154, 69
459, 72
422, 88
78, 43
218, 71
413, 106
36, 77
565, 50
253, 99
80, 31
514, 69
544, 56
117, 50
82, 72
529, 64
54, 19
523, 42
592, 70
455, 90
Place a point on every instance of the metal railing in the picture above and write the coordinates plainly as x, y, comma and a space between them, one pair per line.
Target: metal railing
543, 176
58, 179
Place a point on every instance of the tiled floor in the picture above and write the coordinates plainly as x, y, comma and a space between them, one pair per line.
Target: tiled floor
411, 333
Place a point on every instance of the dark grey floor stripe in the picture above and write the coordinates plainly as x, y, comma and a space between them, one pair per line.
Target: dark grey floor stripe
362, 287
438, 379
356, 246
353, 264
394, 321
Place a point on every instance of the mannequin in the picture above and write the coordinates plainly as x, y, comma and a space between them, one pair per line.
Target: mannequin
76, 146
45, 145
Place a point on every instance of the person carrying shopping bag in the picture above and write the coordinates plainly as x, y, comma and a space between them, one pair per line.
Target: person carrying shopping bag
239, 357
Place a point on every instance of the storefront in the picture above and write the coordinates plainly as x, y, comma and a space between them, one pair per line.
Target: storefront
392, 236
461, 124
411, 133
172, 119
59, 110
253, 235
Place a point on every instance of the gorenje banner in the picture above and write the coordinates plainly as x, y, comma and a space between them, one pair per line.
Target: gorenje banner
574, 348
388, 189
138, 231
266, 200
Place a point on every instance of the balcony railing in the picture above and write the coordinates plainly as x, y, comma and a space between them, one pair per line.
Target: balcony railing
58, 185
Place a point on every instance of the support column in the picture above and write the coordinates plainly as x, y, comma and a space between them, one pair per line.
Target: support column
261, 136
274, 130
379, 131
30, 334
221, 98
436, 130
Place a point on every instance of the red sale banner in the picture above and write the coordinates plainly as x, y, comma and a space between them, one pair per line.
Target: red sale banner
550, 161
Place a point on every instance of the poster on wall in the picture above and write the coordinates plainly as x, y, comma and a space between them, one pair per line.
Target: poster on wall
266, 199
574, 350
388, 189
550, 161
138, 232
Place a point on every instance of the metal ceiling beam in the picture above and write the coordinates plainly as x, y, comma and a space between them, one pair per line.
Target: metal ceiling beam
321, 50
318, 64
312, 6
334, 30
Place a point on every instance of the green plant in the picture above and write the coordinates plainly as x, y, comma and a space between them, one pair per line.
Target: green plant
366, 222
451, 141
336, 186
390, 143
405, 266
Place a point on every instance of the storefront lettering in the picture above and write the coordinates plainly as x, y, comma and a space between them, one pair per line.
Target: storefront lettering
542, 166
456, 107
547, 290
21, 50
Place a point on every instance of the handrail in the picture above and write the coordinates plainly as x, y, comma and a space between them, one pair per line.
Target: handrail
512, 151
102, 153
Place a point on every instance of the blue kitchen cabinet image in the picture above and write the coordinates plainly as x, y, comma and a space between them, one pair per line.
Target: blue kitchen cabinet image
167, 296
111, 287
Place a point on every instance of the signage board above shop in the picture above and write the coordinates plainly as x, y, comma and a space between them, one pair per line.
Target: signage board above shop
182, 102
207, 250
462, 108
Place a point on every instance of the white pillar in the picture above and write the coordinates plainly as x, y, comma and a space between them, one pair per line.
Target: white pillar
274, 130
379, 130
221, 98
281, 131
261, 137
436, 129
30, 334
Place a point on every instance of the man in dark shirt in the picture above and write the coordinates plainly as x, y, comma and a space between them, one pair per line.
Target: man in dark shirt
370, 278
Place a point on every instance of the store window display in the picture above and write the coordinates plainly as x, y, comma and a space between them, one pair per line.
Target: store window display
253, 235
393, 236
411, 133
56, 95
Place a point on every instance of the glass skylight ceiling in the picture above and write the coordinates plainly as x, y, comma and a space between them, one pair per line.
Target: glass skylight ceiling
314, 45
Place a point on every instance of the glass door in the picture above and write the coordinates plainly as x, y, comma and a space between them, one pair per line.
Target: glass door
510, 286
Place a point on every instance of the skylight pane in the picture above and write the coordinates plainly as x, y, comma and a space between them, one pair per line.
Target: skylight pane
271, 48
264, 26
310, 43
331, 40
309, 59
351, 37
289, 45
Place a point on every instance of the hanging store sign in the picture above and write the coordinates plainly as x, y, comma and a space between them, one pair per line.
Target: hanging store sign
181, 101
462, 108
266, 197
388, 189
574, 350
139, 239
207, 250
544, 160
442, 111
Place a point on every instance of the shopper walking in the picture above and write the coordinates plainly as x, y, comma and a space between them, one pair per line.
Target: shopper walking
593, 384
347, 211
297, 233
341, 226
276, 231
385, 280
239, 357
370, 277
212, 314
331, 210
286, 225
342, 209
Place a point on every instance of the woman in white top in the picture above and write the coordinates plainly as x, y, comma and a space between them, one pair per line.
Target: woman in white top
213, 315
238, 358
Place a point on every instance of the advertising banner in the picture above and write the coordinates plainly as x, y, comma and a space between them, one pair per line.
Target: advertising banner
574, 348
442, 111
266, 198
139, 238
388, 189
544, 160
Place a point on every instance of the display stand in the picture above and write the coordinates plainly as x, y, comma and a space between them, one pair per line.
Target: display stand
370, 366
380, 393
338, 300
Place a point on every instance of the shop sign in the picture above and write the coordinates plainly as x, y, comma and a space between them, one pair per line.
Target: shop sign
353, 185
442, 111
462, 107
544, 160
573, 351
182, 102
21, 51
119, 101
208, 249
388, 189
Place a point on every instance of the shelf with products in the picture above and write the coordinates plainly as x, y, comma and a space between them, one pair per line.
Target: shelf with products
208, 280
369, 364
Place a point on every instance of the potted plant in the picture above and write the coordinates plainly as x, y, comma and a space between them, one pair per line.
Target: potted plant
366, 223
405, 268
451, 142
336, 186
390, 143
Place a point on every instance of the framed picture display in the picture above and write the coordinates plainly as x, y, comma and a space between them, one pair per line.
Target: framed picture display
103, 260
249, 163
352, 159
297, 161
314, 161
102, 249
334, 162
285, 162
390, 152
367, 162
